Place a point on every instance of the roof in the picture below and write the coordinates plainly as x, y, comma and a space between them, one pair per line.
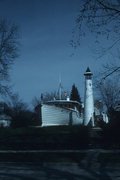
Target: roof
4, 117
88, 72
88, 69
62, 102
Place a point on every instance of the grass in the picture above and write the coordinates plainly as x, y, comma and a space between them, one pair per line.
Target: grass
41, 157
109, 157
57, 137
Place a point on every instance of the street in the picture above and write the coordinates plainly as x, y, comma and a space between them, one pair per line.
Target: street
87, 169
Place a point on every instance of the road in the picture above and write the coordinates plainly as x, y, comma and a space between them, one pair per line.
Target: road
89, 168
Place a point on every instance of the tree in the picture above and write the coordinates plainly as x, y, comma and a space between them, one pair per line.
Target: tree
36, 101
48, 96
109, 93
100, 17
16, 104
18, 110
98, 105
74, 95
8, 50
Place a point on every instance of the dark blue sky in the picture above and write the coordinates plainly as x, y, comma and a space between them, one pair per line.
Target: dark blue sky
45, 31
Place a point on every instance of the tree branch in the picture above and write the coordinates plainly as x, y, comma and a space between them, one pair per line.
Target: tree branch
111, 72
108, 7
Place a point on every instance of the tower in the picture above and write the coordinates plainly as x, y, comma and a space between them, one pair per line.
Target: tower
88, 99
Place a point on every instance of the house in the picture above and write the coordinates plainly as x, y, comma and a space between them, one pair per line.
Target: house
67, 112
5, 120
61, 112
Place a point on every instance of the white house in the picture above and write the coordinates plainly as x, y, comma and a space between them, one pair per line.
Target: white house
5, 120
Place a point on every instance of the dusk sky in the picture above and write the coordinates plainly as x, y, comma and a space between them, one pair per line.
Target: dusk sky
45, 53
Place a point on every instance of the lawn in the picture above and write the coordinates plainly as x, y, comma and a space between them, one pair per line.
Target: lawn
59, 137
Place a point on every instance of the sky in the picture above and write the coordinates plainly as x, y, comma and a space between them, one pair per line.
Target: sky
45, 54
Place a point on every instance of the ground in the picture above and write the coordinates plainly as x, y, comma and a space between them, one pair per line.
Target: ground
91, 166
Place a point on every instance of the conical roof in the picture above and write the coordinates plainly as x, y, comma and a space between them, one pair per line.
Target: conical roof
88, 71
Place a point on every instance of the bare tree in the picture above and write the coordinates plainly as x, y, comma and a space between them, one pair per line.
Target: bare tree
8, 50
18, 110
102, 18
43, 98
108, 71
109, 92
48, 96
36, 101
98, 105
15, 105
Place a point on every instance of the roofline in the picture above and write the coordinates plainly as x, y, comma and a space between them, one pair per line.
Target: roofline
61, 101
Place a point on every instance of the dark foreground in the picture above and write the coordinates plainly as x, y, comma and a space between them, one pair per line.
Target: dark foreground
60, 165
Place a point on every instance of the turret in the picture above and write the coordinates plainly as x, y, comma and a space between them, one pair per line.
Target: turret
88, 99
